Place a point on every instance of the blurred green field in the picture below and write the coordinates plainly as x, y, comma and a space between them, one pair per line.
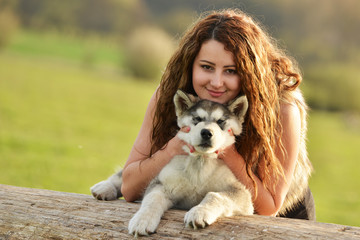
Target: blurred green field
65, 127
334, 140
89, 51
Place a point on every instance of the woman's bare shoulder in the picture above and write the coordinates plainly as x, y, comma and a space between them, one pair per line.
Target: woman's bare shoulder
289, 111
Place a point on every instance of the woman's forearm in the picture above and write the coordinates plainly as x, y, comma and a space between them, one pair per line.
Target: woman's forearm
138, 174
264, 202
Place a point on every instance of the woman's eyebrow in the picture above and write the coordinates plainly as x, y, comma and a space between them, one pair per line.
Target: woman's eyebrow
211, 63
230, 66
208, 62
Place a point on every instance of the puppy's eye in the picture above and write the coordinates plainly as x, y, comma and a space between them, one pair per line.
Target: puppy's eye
196, 120
220, 122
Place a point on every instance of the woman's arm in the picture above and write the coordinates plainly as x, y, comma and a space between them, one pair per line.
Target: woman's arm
266, 202
139, 169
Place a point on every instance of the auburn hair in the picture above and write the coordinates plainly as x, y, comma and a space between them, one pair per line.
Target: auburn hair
268, 76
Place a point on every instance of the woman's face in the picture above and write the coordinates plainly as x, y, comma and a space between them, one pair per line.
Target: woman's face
214, 73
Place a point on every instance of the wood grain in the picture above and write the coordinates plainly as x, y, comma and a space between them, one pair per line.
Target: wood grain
27, 213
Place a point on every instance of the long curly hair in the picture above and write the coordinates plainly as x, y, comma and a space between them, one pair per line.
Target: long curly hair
268, 76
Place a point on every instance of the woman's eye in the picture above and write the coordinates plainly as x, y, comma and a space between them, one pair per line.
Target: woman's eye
231, 71
206, 67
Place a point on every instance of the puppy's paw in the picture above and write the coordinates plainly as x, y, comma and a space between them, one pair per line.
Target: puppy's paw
104, 190
143, 223
199, 217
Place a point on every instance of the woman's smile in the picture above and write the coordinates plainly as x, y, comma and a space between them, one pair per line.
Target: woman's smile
215, 76
215, 94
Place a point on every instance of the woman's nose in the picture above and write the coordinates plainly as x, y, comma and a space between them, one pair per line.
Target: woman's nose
217, 80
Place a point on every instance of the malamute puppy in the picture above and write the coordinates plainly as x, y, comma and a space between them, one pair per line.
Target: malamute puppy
199, 181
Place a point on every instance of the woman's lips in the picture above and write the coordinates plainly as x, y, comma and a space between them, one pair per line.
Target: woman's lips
215, 94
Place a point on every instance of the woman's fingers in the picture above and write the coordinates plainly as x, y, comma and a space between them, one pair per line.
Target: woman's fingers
185, 129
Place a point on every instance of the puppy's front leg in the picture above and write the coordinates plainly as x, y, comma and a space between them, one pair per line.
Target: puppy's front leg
109, 189
148, 217
219, 204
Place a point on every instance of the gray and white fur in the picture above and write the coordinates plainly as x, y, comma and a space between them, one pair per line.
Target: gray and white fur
199, 181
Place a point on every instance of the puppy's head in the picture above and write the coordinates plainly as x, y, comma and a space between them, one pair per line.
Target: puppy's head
209, 121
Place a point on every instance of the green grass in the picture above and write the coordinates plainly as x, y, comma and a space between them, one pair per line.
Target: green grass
90, 50
334, 151
65, 127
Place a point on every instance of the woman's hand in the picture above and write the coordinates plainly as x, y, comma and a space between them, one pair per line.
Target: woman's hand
175, 145
139, 172
225, 151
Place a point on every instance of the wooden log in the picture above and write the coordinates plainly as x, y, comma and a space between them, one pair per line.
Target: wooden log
43, 214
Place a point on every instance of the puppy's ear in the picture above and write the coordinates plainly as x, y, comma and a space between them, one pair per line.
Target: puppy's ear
183, 101
239, 106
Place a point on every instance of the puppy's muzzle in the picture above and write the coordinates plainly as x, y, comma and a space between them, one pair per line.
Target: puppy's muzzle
206, 134
206, 138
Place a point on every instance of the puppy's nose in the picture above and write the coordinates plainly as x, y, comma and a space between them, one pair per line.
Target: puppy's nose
206, 134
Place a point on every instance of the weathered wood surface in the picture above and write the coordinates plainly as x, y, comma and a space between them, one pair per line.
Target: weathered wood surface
43, 214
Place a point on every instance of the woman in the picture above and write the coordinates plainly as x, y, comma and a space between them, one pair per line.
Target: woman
226, 54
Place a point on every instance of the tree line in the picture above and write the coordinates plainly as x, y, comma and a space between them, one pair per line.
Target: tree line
322, 35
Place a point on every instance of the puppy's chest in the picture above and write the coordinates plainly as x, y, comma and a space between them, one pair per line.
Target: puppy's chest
190, 176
